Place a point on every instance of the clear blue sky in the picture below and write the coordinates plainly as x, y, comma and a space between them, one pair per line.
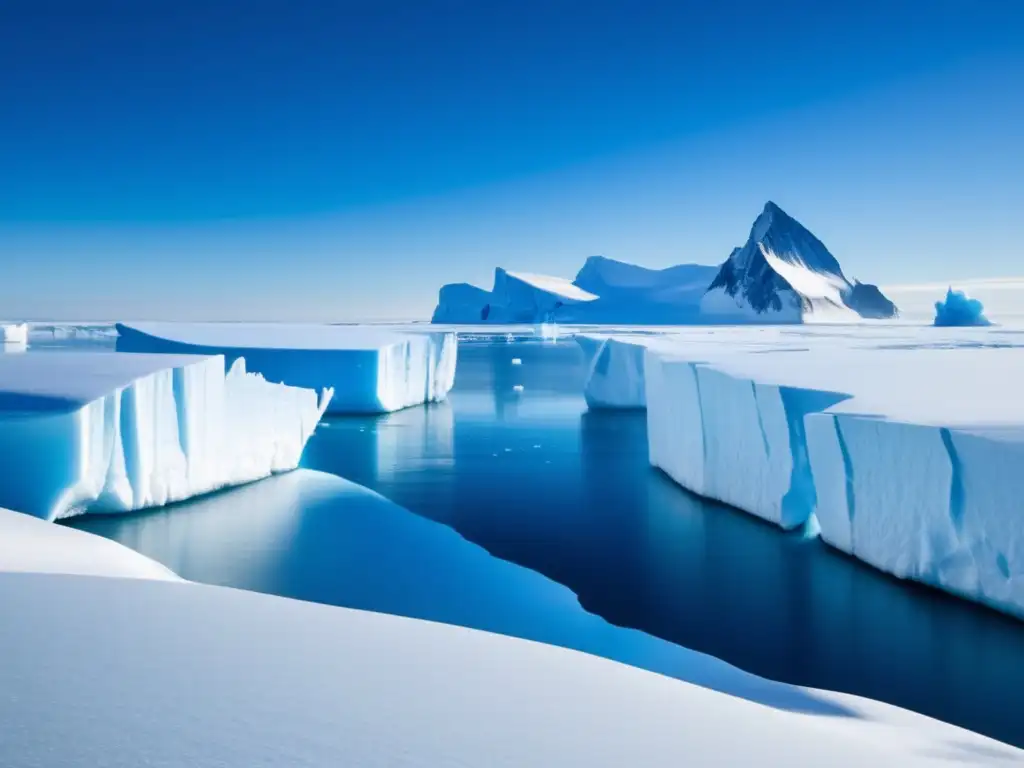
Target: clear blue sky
337, 161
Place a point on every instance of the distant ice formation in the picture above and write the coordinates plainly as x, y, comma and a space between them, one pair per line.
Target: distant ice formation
867, 436
958, 309
13, 333
783, 274
88, 432
370, 370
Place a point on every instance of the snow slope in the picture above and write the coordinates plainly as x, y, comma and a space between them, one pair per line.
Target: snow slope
784, 274
30, 544
898, 442
196, 676
371, 370
107, 432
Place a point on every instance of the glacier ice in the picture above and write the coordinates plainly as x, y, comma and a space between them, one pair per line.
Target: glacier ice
958, 309
871, 435
370, 370
13, 333
783, 274
88, 432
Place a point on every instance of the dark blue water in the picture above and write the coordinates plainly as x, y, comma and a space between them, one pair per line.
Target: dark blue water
535, 479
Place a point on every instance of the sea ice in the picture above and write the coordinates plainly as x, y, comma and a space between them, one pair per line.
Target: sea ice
866, 432
958, 309
106, 432
371, 370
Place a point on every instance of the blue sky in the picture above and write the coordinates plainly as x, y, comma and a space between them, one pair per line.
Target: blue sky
338, 161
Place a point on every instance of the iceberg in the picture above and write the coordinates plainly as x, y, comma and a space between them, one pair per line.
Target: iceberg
370, 370
104, 432
517, 297
867, 436
784, 274
958, 309
13, 333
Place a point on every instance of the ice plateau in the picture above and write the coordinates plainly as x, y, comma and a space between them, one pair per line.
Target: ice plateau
783, 274
370, 370
108, 432
875, 437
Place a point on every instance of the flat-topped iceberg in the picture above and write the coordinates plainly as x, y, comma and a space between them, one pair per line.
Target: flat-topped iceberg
107, 432
875, 438
370, 370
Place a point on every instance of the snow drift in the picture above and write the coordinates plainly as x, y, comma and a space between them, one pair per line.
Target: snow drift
108, 432
958, 309
370, 370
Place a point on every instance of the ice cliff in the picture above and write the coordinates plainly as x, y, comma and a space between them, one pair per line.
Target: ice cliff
370, 370
874, 440
85, 432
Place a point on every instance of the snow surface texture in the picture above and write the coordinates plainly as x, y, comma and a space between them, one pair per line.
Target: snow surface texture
30, 544
957, 309
867, 434
784, 274
206, 676
108, 432
13, 333
370, 370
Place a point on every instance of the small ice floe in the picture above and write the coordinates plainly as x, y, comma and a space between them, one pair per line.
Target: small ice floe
517, 361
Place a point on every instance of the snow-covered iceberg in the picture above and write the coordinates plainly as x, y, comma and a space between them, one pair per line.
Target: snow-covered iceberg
517, 297
370, 370
13, 333
873, 440
107, 432
958, 309
784, 274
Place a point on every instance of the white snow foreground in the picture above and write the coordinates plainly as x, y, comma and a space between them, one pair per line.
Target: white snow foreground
370, 370
902, 445
28, 544
206, 676
111, 432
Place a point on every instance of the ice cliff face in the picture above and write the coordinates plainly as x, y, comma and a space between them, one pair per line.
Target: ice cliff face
784, 273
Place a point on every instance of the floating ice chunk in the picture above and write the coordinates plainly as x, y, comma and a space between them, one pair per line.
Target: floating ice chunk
370, 370
959, 310
108, 432
517, 361
32, 545
13, 333
874, 442
614, 370
518, 388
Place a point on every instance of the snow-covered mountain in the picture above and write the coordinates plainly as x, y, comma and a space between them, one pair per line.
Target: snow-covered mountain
784, 274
